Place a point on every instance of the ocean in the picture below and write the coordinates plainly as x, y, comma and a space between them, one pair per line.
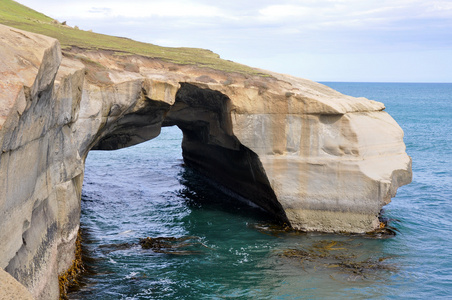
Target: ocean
212, 246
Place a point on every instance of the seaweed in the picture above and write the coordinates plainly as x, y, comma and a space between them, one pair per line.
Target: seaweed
114, 247
167, 245
275, 229
70, 278
335, 254
384, 230
172, 245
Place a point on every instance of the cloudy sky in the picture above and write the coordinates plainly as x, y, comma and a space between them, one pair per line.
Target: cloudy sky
323, 40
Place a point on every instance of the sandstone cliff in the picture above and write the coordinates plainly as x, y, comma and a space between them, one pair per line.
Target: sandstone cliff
315, 158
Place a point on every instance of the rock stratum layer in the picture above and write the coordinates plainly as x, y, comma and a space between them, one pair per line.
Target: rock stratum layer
314, 158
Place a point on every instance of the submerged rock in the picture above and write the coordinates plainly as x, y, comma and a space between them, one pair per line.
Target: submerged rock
339, 257
172, 245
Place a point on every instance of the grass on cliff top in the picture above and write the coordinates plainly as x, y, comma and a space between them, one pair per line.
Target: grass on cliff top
19, 16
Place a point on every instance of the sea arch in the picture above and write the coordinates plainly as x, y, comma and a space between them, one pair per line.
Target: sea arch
209, 144
312, 156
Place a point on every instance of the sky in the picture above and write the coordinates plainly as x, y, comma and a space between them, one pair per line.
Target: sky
322, 40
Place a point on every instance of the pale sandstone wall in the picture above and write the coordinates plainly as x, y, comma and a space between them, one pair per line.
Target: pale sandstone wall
333, 161
313, 157
41, 172
28, 208
11, 289
331, 165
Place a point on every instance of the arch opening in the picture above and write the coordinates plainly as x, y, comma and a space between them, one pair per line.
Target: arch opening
208, 143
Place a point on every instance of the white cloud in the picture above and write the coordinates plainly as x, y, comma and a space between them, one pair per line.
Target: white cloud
305, 13
352, 14
261, 29
281, 12
100, 10
128, 9
163, 9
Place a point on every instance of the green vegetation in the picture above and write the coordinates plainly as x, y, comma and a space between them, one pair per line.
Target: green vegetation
16, 15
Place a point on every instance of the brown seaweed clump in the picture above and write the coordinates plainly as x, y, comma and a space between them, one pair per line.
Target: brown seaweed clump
71, 277
276, 230
362, 268
168, 245
337, 255
384, 231
171, 245
114, 247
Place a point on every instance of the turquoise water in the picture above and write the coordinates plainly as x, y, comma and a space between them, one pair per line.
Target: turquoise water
230, 250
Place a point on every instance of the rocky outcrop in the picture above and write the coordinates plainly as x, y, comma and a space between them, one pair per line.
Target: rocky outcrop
315, 158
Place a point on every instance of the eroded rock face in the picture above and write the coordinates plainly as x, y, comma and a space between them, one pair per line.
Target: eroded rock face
11, 289
315, 158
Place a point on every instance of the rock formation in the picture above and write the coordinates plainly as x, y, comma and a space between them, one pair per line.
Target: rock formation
315, 158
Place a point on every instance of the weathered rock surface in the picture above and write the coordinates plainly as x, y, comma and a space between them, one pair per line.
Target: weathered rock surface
11, 289
315, 158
